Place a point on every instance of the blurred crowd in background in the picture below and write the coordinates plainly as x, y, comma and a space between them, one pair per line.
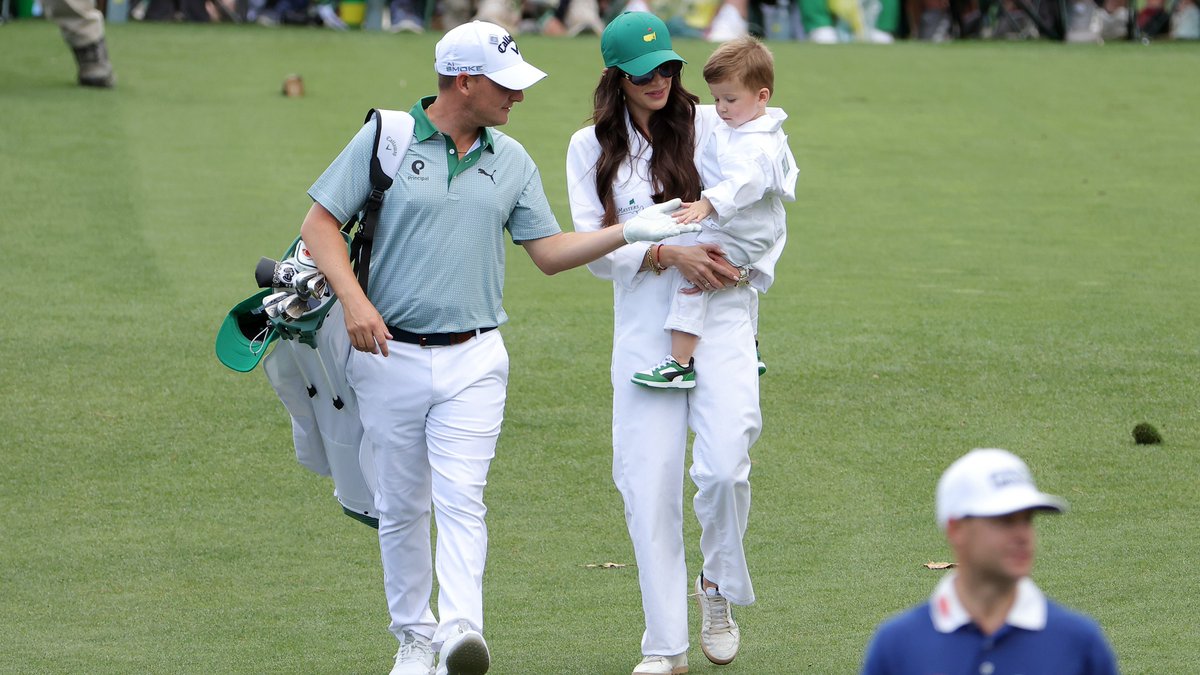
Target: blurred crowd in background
819, 21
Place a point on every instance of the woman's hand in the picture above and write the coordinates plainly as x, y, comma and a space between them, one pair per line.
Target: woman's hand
703, 265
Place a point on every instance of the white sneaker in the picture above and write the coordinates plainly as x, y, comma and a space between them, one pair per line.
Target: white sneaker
719, 634
825, 35
330, 19
464, 653
1084, 22
879, 37
415, 656
662, 665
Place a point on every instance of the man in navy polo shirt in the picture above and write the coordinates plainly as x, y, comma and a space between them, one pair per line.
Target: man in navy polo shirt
988, 617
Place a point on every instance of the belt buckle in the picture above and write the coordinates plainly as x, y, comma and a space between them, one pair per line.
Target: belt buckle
743, 277
423, 342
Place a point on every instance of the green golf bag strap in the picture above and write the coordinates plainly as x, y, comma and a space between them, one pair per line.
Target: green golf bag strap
393, 135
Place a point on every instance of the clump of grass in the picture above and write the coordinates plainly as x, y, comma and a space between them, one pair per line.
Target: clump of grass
1145, 434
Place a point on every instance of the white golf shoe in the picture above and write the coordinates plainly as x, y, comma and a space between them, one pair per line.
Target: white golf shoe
415, 656
662, 665
823, 35
719, 634
464, 653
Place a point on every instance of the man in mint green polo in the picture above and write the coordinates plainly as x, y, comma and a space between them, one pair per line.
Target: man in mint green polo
430, 370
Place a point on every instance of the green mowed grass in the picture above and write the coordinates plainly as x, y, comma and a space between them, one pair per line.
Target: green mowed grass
993, 245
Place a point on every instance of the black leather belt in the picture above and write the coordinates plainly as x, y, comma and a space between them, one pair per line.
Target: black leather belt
436, 339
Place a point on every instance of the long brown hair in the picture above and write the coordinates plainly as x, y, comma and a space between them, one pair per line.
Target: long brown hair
672, 132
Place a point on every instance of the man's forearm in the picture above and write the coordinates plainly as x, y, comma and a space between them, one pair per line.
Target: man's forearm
566, 250
321, 232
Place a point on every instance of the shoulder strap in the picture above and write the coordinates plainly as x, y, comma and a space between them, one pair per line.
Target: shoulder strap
393, 135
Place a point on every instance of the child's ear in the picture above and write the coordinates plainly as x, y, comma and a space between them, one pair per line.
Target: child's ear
764, 95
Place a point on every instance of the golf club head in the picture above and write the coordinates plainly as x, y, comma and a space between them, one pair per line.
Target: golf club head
303, 281
294, 307
276, 297
271, 302
316, 286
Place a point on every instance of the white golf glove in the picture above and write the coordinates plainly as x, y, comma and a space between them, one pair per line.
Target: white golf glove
654, 223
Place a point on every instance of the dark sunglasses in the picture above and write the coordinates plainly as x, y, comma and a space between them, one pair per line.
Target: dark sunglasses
668, 70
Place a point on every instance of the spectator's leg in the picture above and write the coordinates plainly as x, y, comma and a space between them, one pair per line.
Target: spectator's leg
195, 10
818, 21
730, 22
500, 12
160, 10
888, 21
408, 16
583, 16
454, 13
556, 24
82, 27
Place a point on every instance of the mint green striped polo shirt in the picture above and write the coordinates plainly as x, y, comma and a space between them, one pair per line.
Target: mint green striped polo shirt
437, 264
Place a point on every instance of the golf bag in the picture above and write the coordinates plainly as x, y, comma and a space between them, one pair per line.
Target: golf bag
327, 434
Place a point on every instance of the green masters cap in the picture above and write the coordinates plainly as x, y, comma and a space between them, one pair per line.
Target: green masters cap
637, 42
246, 333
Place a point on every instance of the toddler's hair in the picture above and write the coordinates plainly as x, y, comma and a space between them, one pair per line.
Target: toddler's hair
746, 60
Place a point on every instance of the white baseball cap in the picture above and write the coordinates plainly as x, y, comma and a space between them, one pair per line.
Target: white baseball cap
482, 48
990, 482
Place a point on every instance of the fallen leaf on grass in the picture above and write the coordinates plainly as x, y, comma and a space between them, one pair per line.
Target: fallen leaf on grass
606, 565
940, 565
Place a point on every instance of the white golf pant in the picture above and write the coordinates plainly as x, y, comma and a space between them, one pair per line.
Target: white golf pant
649, 450
433, 416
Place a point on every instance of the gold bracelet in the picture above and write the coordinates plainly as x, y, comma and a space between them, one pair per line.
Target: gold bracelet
652, 258
648, 262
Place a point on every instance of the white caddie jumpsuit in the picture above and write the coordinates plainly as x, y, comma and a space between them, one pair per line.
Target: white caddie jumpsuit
650, 426
748, 173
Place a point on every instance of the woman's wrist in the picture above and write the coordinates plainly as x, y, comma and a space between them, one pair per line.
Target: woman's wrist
663, 255
650, 261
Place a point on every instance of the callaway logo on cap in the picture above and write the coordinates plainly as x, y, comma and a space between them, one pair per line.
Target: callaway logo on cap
482, 48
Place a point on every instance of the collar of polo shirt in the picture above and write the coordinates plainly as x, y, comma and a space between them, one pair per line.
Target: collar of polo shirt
424, 130
948, 614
